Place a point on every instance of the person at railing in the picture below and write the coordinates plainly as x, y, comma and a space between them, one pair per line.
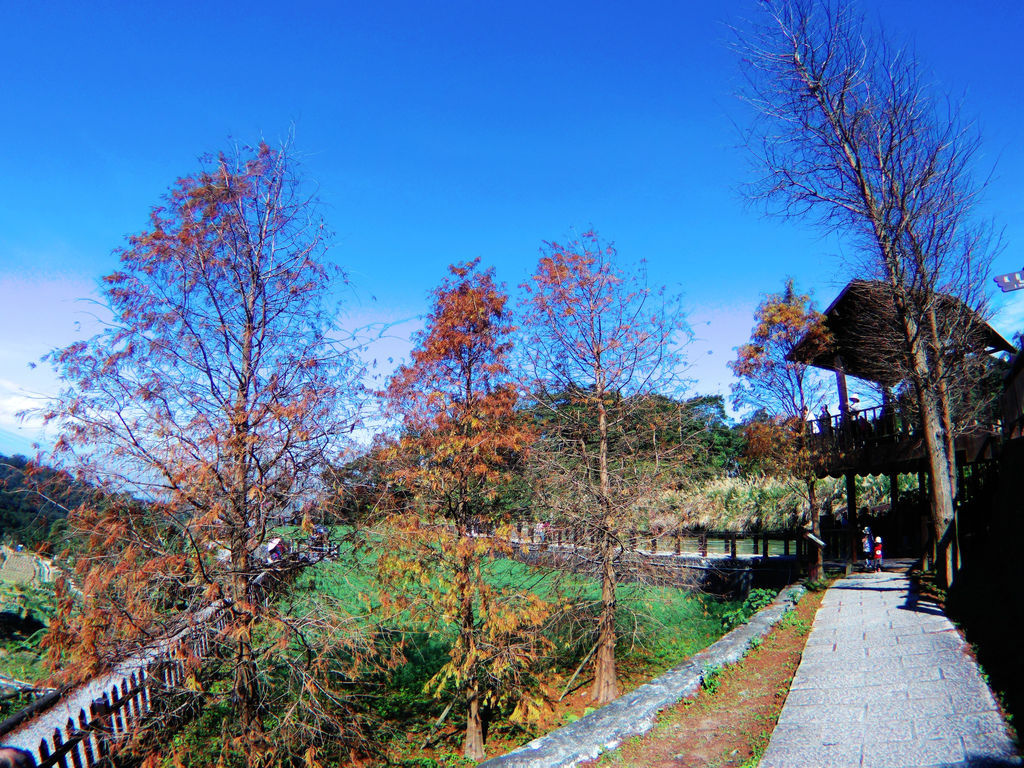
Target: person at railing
825, 422
12, 757
864, 427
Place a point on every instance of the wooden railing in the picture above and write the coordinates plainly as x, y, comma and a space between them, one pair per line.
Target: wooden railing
880, 425
672, 542
868, 426
79, 727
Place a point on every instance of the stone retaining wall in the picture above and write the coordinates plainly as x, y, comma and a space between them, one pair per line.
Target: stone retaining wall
634, 713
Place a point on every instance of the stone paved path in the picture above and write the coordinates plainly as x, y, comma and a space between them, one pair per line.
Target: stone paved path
886, 682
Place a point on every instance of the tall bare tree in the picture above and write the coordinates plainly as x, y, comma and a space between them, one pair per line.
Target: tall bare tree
462, 437
786, 389
852, 136
216, 397
599, 340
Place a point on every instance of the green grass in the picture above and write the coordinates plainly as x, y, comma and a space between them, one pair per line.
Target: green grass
658, 627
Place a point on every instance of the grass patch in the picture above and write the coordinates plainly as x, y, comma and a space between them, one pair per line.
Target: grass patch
729, 723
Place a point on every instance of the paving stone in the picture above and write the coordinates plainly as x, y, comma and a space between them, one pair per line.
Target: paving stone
966, 702
795, 733
835, 756
829, 714
886, 682
902, 754
927, 689
879, 694
817, 696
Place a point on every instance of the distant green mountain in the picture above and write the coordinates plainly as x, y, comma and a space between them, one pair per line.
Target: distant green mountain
32, 498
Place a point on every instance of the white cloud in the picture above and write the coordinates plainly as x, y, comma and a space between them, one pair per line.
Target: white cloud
37, 315
1008, 317
718, 329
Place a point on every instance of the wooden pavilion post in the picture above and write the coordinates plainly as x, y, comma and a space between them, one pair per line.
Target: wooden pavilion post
899, 521
846, 429
851, 518
927, 542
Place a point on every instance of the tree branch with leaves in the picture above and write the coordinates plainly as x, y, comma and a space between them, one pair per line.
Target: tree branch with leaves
461, 438
598, 343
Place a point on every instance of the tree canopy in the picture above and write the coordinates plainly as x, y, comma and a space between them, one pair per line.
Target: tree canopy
217, 394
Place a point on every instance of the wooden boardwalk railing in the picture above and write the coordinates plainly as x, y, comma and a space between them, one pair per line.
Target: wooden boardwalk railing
700, 543
78, 727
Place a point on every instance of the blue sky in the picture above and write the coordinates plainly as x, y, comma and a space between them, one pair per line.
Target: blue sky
439, 132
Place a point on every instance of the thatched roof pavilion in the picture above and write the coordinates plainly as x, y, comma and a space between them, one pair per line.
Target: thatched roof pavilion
866, 335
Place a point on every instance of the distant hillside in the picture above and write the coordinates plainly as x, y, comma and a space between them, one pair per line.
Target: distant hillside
33, 498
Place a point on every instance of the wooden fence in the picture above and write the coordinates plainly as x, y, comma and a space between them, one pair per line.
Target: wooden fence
763, 544
79, 727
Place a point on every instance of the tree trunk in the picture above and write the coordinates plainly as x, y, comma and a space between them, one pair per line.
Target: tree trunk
817, 560
606, 684
942, 496
473, 744
245, 691
927, 375
949, 438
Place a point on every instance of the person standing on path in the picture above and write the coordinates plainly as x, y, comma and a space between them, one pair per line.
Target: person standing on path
866, 547
878, 553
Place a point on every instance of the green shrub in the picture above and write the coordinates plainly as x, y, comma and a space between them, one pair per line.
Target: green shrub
816, 585
755, 601
712, 679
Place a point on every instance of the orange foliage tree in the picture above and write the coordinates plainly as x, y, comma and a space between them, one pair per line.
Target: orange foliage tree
461, 438
598, 341
789, 392
207, 409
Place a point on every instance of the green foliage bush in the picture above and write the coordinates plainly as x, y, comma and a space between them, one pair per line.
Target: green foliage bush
24, 613
756, 600
711, 680
816, 585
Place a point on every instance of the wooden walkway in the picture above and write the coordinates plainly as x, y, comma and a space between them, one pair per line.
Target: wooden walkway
886, 681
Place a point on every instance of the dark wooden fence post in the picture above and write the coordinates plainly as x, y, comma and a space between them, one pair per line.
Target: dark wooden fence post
61, 754
88, 738
99, 712
76, 749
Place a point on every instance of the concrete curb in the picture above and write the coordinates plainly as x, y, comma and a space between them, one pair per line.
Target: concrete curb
634, 713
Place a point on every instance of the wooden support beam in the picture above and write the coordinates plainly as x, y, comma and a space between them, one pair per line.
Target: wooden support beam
851, 519
927, 543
